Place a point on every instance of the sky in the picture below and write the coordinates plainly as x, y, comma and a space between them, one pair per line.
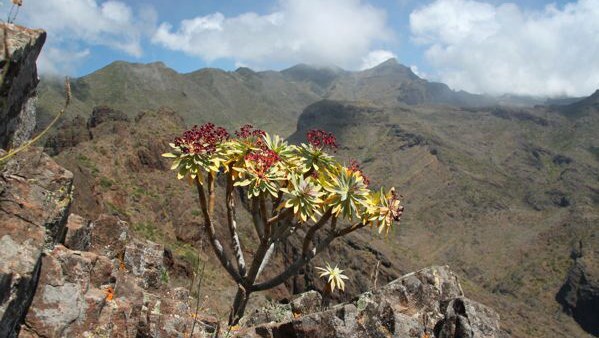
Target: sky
529, 47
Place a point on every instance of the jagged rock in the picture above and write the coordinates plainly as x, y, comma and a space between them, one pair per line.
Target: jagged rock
467, 318
82, 294
273, 312
69, 292
579, 296
145, 259
101, 114
411, 306
35, 196
19, 49
78, 235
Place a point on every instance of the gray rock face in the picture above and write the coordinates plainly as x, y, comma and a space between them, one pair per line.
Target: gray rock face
579, 296
82, 294
145, 259
467, 318
18, 82
35, 195
425, 303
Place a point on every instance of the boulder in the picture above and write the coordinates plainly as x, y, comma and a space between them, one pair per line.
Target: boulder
19, 49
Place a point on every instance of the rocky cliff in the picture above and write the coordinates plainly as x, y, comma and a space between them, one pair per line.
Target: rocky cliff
19, 49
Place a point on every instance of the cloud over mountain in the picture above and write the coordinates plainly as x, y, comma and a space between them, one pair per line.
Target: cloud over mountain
480, 47
73, 26
340, 32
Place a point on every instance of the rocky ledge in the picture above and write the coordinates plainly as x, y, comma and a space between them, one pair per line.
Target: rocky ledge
426, 303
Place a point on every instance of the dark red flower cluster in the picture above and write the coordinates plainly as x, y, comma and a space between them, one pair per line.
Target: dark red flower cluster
249, 130
263, 160
354, 166
322, 139
202, 139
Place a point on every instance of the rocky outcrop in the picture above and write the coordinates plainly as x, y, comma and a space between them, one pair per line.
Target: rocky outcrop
35, 195
116, 289
579, 296
19, 49
426, 303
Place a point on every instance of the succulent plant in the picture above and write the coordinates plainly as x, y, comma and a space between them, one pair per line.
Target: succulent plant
306, 188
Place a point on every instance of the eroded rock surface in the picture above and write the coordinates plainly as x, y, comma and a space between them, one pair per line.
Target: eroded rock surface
83, 294
35, 195
426, 303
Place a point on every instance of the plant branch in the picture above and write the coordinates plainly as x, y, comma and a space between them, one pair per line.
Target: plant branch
304, 259
283, 213
232, 221
216, 245
264, 216
211, 194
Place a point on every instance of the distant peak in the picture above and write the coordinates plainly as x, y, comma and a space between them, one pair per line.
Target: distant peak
158, 64
389, 62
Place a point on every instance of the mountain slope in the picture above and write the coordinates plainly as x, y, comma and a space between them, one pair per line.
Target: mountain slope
497, 193
270, 99
391, 83
227, 98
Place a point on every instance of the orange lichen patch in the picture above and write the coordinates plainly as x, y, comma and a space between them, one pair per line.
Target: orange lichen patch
426, 335
109, 292
296, 315
235, 328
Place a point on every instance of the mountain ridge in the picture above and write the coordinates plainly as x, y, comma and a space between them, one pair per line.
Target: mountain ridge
268, 98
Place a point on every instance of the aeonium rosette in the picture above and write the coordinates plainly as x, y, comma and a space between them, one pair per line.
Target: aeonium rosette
305, 178
316, 158
197, 151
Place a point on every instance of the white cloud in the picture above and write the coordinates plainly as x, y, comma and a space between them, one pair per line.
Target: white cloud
418, 72
375, 58
75, 24
338, 32
497, 49
56, 61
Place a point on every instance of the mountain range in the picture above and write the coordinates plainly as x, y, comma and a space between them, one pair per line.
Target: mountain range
503, 194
